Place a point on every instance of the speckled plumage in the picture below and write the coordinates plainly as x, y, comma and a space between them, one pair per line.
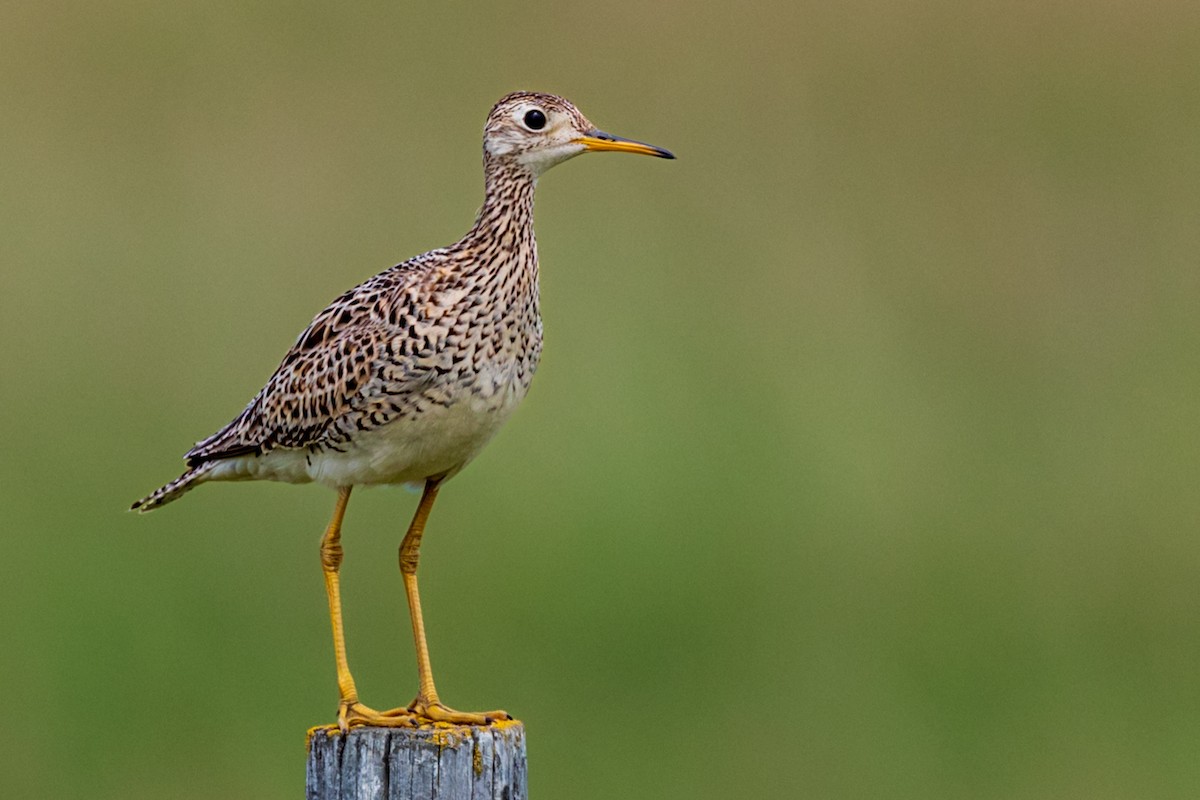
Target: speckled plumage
408, 375
404, 378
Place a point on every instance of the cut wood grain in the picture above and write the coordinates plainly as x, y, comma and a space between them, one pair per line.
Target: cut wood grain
435, 762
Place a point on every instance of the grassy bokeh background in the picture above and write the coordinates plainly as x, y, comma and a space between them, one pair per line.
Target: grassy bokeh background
862, 461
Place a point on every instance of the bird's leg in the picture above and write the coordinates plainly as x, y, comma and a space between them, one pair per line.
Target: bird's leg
350, 711
426, 705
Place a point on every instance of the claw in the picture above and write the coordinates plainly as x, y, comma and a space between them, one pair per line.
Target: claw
437, 712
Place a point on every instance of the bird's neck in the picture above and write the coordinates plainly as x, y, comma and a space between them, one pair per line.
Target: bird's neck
506, 218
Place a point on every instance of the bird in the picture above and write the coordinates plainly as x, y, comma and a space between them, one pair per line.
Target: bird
406, 377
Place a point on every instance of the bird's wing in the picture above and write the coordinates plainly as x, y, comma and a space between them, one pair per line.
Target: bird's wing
351, 369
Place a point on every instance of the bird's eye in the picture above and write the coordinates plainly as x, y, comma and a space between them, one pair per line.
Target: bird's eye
535, 120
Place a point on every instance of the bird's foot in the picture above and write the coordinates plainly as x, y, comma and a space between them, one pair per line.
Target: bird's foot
423, 711
418, 712
352, 713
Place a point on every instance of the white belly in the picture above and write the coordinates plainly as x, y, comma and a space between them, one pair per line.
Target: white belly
440, 440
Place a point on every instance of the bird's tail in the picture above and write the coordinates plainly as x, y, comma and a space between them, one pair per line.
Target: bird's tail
173, 490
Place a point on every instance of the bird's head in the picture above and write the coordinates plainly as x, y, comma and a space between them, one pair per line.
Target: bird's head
536, 131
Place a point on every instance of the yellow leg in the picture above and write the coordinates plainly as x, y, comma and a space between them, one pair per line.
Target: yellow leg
350, 711
427, 706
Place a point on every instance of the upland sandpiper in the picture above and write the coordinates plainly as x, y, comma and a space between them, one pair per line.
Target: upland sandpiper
404, 378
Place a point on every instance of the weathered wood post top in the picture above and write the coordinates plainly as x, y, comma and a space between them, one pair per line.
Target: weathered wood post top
433, 762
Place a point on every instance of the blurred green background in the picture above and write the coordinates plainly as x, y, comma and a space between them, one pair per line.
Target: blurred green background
862, 461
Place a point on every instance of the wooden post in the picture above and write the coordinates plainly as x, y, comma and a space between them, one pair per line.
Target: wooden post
434, 762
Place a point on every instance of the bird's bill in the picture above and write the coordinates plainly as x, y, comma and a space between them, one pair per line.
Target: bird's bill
599, 140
